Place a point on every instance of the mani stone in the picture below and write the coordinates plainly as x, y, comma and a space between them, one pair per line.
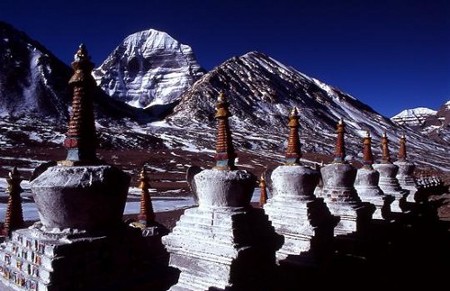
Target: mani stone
38, 259
342, 199
390, 185
366, 184
224, 243
303, 219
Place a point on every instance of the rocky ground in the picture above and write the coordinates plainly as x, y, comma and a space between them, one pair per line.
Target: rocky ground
166, 167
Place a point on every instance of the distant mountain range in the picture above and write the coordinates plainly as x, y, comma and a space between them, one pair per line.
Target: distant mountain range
151, 76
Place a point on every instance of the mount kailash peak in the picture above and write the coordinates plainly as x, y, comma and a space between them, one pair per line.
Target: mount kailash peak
148, 68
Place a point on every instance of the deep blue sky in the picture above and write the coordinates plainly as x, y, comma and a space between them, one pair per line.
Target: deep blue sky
391, 55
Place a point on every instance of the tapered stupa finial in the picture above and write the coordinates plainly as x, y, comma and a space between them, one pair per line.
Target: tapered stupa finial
263, 189
367, 150
385, 154
146, 214
14, 215
339, 154
81, 140
402, 149
293, 152
225, 155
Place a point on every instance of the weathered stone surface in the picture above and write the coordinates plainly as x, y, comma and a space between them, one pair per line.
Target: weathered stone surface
298, 181
34, 259
303, 219
390, 185
342, 199
366, 184
88, 198
223, 243
222, 248
217, 188
405, 177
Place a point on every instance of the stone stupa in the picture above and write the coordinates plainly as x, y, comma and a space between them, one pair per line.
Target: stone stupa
80, 241
262, 192
388, 181
405, 174
224, 243
14, 215
296, 213
366, 183
340, 194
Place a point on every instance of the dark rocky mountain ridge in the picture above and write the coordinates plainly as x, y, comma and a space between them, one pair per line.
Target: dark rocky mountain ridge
32, 80
261, 92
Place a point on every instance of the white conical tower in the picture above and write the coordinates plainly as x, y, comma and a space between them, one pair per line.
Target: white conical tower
388, 181
340, 194
366, 183
405, 175
303, 219
224, 242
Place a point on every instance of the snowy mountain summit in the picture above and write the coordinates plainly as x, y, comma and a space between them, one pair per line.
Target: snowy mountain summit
413, 117
148, 68
431, 123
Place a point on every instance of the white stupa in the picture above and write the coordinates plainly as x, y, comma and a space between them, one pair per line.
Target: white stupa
224, 242
296, 213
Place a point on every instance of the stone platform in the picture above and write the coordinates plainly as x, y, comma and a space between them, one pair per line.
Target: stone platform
54, 260
390, 185
342, 199
405, 177
366, 184
222, 248
303, 219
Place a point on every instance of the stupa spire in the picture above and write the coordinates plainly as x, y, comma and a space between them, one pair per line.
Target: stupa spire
339, 154
385, 155
81, 140
293, 152
146, 214
402, 149
225, 154
263, 188
14, 216
367, 151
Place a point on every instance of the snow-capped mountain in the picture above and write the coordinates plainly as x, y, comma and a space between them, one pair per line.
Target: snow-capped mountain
443, 113
148, 68
431, 123
438, 126
262, 91
413, 117
33, 82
